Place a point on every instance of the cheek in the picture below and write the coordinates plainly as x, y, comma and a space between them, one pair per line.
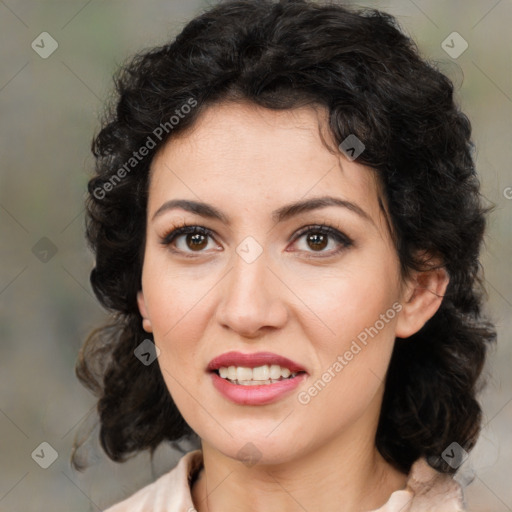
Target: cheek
175, 295
348, 382
339, 307
352, 336
177, 332
179, 310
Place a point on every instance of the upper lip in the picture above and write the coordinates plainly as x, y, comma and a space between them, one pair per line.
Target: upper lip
253, 360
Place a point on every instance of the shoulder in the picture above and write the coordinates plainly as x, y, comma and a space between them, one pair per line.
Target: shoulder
169, 493
434, 491
427, 490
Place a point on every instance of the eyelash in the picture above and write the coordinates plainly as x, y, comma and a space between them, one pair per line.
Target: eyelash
185, 229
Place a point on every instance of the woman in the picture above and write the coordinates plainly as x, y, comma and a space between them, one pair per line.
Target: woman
287, 222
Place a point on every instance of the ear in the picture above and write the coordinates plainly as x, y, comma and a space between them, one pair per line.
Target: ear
141, 303
421, 298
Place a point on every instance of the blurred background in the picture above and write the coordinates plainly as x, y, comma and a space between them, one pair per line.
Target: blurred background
57, 60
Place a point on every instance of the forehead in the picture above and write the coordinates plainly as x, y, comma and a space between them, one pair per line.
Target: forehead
239, 154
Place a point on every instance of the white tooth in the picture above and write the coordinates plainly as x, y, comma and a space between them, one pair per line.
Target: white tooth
285, 372
275, 371
261, 372
232, 373
243, 373
264, 374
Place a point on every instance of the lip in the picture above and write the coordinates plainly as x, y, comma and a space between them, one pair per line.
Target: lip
260, 394
256, 395
252, 361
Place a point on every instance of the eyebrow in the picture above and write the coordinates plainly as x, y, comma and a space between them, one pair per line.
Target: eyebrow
279, 215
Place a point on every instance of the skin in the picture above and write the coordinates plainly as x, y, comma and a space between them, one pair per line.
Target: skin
296, 299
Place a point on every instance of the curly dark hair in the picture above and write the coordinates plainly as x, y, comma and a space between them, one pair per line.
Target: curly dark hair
375, 85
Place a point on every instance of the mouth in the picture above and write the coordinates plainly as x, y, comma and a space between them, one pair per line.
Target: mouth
255, 372
249, 391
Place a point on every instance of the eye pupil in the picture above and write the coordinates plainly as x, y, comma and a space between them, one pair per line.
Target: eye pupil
198, 241
319, 241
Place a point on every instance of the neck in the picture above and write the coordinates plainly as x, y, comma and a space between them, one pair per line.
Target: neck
352, 475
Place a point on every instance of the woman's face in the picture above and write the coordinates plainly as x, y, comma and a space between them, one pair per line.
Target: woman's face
318, 285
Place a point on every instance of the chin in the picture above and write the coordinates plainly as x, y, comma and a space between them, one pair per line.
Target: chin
253, 449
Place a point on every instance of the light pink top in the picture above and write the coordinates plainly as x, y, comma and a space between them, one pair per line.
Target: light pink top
426, 491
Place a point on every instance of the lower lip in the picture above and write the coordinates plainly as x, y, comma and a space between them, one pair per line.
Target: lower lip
256, 395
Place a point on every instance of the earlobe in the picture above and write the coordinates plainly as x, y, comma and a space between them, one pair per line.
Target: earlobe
421, 300
146, 323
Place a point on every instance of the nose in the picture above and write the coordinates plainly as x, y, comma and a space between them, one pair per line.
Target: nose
252, 303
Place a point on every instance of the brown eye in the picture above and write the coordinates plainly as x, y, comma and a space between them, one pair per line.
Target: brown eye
196, 241
189, 239
317, 241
